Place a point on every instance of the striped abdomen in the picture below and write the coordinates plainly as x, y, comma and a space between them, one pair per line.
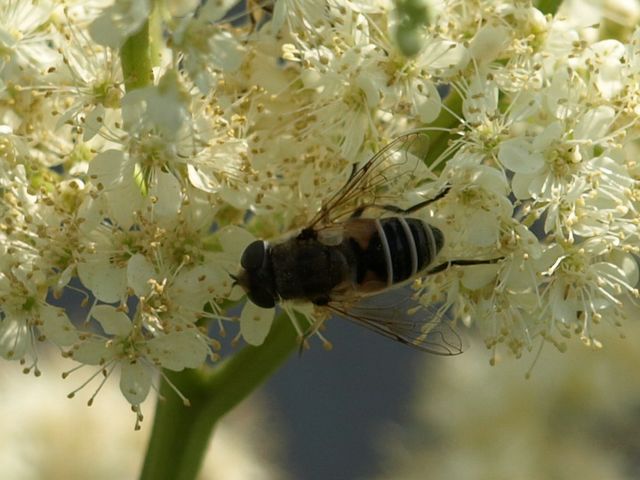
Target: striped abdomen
391, 250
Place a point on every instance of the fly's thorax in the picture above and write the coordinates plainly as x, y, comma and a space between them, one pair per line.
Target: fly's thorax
307, 269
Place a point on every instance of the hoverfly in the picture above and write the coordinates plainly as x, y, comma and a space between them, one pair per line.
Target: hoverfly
345, 261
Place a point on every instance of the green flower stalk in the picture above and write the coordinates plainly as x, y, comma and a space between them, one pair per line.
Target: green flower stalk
413, 18
144, 145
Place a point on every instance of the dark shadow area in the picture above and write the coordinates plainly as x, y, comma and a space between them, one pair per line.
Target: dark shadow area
334, 403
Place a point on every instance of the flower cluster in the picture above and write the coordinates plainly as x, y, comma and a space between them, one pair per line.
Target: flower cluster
544, 170
136, 203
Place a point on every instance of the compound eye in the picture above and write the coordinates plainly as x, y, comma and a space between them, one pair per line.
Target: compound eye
261, 298
253, 256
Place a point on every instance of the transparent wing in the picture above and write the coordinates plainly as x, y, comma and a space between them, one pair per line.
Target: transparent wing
397, 315
379, 180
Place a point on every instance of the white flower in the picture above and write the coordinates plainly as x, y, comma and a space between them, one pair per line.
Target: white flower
476, 207
119, 21
24, 37
587, 284
607, 60
138, 350
102, 265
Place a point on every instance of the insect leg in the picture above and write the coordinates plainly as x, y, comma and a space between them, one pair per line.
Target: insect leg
420, 205
404, 211
354, 169
304, 343
445, 265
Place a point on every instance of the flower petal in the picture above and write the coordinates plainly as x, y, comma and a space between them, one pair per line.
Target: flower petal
139, 272
135, 382
255, 323
516, 155
106, 282
57, 327
179, 350
112, 321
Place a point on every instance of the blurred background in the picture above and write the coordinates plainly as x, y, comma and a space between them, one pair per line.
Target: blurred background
369, 409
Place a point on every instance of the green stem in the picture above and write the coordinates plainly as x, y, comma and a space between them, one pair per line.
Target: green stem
136, 59
181, 434
447, 120
549, 6
412, 17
